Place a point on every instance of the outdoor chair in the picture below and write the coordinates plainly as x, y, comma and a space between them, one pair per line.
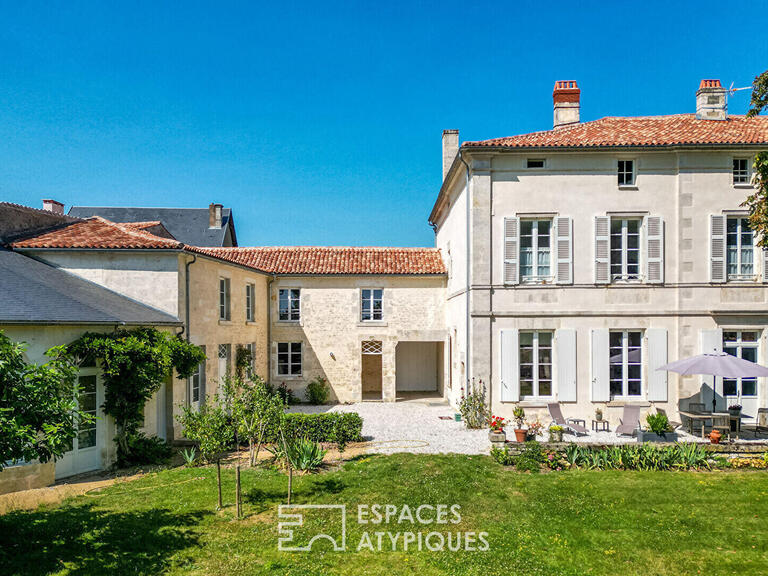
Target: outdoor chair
697, 408
673, 424
722, 423
630, 420
569, 424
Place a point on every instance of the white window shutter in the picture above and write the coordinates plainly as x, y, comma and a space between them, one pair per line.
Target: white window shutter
765, 265
717, 245
601, 390
602, 250
564, 250
566, 364
654, 250
711, 341
511, 250
657, 357
510, 366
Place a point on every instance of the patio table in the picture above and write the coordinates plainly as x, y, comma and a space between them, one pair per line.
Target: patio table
693, 416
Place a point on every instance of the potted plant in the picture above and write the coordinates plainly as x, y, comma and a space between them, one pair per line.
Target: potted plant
556, 433
599, 414
534, 429
734, 409
715, 436
518, 414
658, 429
496, 433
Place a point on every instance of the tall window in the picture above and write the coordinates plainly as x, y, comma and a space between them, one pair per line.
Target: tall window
289, 359
250, 302
225, 353
535, 364
224, 306
86, 433
742, 344
626, 171
535, 250
196, 382
625, 248
740, 250
290, 304
626, 362
740, 171
371, 304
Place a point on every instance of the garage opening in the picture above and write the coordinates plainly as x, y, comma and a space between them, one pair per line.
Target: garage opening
418, 370
371, 370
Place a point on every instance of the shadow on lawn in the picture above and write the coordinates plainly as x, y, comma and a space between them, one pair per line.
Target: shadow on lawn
92, 541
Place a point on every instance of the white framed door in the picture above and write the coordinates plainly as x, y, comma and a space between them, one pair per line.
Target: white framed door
86, 452
744, 391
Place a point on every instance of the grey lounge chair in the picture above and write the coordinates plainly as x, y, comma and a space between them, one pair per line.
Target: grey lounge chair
569, 424
630, 420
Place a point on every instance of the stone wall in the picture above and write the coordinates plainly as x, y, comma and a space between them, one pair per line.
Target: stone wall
26, 477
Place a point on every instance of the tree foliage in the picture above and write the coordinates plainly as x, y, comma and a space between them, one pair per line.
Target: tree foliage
38, 411
757, 202
134, 365
257, 411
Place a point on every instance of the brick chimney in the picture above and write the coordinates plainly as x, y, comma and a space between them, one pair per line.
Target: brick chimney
214, 215
711, 101
450, 149
53, 206
565, 97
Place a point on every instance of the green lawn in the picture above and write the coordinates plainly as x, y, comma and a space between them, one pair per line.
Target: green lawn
573, 522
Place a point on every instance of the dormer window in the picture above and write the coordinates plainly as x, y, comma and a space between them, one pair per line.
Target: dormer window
626, 172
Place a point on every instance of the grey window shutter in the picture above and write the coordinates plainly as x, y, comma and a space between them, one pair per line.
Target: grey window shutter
564, 250
717, 272
711, 341
566, 364
511, 250
654, 242
657, 357
510, 366
602, 250
601, 390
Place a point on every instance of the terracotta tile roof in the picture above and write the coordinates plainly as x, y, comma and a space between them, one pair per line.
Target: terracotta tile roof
332, 260
675, 130
96, 233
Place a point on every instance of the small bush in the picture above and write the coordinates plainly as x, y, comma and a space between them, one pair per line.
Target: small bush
317, 391
143, 450
658, 423
286, 394
473, 408
502, 455
338, 427
190, 456
531, 458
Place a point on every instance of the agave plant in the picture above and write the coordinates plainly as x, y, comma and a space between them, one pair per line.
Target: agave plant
190, 456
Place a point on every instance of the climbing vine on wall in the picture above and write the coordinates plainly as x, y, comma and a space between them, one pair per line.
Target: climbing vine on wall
134, 365
757, 202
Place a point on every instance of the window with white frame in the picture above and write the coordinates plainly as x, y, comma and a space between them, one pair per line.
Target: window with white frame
371, 304
535, 250
626, 363
225, 354
250, 302
739, 249
196, 382
625, 248
224, 301
290, 304
535, 364
742, 344
289, 359
251, 347
626, 172
741, 171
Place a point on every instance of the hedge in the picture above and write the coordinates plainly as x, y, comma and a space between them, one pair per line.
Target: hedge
338, 427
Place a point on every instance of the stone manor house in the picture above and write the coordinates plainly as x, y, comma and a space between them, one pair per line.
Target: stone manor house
569, 264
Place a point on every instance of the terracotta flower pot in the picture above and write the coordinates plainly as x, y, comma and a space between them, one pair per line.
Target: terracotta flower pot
520, 434
715, 436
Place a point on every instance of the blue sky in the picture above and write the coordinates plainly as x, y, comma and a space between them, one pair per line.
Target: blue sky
320, 123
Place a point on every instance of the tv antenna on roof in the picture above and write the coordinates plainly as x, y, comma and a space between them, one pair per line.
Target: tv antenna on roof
731, 89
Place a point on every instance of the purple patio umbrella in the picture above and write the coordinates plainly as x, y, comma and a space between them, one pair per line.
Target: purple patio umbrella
716, 364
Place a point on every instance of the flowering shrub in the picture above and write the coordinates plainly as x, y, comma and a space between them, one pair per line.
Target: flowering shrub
472, 406
555, 460
757, 463
497, 424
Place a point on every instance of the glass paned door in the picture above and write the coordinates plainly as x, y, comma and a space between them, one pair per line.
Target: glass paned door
743, 391
85, 453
